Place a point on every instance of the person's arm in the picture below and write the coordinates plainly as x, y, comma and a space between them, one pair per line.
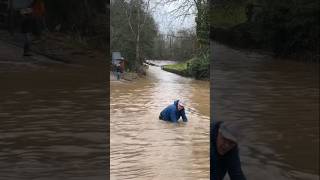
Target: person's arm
184, 117
234, 166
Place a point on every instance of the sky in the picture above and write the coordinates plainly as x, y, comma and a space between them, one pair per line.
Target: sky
171, 22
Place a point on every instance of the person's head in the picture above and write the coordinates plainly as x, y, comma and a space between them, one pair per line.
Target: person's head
181, 105
226, 138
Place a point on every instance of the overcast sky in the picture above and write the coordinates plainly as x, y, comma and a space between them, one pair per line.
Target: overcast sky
170, 22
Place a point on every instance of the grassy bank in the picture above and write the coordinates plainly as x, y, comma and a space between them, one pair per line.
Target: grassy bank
60, 47
180, 68
197, 67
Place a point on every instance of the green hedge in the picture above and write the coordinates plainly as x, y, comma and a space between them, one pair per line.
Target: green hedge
198, 67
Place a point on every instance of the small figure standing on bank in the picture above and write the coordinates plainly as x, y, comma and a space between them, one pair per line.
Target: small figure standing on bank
38, 13
26, 29
118, 71
174, 111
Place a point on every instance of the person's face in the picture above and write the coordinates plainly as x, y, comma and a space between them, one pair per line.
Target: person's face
180, 107
224, 145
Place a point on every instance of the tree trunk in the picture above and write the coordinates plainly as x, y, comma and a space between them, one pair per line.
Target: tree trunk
138, 40
138, 50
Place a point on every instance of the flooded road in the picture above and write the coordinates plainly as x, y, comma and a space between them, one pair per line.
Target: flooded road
53, 122
276, 104
142, 146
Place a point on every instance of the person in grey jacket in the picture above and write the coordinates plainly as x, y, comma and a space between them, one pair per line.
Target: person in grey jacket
224, 152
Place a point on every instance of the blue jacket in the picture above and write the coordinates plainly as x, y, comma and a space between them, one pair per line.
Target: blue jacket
220, 165
171, 113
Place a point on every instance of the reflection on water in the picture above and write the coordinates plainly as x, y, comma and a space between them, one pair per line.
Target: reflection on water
53, 124
276, 103
143, 147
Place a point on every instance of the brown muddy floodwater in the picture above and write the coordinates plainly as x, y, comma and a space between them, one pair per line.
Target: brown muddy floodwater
276, 104
142, 146
53, 122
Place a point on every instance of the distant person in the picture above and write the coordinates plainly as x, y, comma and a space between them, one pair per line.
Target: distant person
26, 29
122, 65
174, 111
224, 152
118, 71
38, 13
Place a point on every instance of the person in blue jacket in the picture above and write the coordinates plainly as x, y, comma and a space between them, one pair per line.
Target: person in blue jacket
224, 152
173, 112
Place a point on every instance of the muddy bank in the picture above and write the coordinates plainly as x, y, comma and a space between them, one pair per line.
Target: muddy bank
127, 76
59, 47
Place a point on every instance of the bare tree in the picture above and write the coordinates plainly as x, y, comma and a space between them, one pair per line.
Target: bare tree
199, 8
137, 13
184, 8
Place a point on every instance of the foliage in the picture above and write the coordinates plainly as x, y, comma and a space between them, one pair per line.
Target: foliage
197, 43
291, 26
202, 21
199, 67
82, 18
77, 15
286, 27
178, 46
122, 37
227, 17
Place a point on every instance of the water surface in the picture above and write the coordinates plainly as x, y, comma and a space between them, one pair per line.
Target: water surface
142, 146
53, 122
275, 102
